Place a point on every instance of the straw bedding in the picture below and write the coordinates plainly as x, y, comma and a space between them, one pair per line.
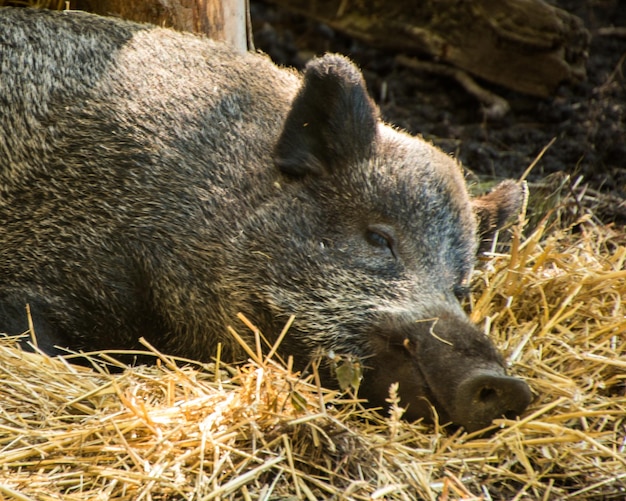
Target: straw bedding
555, 303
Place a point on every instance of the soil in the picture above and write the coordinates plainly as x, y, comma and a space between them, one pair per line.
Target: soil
588, 119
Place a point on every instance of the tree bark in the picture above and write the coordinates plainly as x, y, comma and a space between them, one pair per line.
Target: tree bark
219, 19
525, 45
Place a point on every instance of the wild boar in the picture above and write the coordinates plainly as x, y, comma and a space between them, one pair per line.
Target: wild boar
155, 184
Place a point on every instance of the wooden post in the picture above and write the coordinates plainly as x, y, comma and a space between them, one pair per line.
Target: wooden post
223, 20
218, 19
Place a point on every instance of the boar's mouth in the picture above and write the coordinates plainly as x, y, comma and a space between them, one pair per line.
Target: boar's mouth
448, 364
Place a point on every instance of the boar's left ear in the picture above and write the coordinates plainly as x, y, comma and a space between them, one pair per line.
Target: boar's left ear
494, 209
332, 120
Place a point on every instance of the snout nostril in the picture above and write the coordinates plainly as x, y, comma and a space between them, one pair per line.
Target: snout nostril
487, 395
510, 414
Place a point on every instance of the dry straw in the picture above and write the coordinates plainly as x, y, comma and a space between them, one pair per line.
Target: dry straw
555, 303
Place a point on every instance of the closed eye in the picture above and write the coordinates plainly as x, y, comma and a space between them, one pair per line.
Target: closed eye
461, 291
381, 237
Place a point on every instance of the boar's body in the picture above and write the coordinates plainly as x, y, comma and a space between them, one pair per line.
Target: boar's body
155, 184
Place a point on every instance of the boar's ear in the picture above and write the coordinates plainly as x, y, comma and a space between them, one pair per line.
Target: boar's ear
332, 120
494, 209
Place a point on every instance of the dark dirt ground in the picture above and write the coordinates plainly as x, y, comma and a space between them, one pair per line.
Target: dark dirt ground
587, 119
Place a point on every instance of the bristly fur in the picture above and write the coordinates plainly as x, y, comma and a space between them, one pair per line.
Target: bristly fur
155, 184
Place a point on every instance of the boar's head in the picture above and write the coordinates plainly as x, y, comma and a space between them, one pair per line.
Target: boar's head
380, 235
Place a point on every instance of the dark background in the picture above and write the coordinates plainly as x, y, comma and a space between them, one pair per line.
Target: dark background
587, 119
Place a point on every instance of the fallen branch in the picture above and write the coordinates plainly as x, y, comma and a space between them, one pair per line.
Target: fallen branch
494, 106
525, 45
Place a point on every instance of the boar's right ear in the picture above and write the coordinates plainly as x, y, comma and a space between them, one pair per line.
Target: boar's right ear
495, 208
332, 120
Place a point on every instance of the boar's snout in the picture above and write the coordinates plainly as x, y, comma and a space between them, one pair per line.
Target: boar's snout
443, 363
485, 396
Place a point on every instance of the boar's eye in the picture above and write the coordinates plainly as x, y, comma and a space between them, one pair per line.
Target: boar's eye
461, 291
381, 237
